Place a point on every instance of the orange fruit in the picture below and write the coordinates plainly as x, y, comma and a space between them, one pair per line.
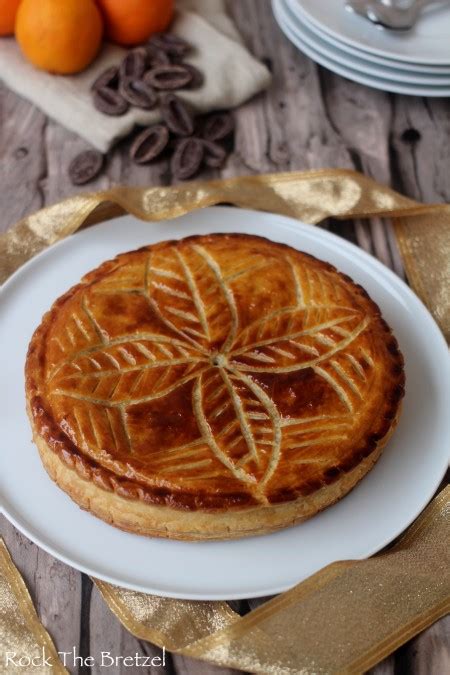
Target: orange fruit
131, 22
61, 36
8, 9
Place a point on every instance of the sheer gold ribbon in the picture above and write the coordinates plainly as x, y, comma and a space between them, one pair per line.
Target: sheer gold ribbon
344, 619
349, 615
423, 231
25, 645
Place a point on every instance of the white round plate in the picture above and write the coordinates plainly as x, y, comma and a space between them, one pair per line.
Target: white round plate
426, 43
361, 63
376, 511
311, 48
430, 69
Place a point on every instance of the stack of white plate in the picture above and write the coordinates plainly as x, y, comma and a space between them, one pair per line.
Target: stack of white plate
416, 62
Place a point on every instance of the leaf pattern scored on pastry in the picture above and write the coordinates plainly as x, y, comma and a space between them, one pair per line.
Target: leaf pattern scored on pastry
227, 363
129, 371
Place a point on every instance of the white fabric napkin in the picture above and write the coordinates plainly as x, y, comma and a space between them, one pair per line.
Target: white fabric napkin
232, 75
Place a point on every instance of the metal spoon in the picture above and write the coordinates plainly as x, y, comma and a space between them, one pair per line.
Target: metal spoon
389, 16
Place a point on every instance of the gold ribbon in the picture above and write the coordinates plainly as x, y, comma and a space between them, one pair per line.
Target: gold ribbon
351, 614
423, 231
344, 619
25, 645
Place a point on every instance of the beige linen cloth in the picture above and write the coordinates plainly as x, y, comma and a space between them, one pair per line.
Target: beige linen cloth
231, 74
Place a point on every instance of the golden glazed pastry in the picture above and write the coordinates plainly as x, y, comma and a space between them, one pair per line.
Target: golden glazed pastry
211, 388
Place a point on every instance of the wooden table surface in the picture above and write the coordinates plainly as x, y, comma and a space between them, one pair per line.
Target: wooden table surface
309, 118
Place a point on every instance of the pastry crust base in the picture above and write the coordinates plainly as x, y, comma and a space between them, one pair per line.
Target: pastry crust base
133, 492
161, 521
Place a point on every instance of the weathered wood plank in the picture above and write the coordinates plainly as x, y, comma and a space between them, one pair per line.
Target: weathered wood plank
420, 147
429, 652
54, 587
386, 667
22, 157
107, 635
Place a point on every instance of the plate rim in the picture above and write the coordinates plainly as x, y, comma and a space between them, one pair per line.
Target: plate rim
359, 45
291, 223
354, 75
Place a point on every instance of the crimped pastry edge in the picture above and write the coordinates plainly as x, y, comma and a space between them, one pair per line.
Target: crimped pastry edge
70, 455
151, 520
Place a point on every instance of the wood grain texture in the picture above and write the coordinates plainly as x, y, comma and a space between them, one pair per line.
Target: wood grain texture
309, 118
